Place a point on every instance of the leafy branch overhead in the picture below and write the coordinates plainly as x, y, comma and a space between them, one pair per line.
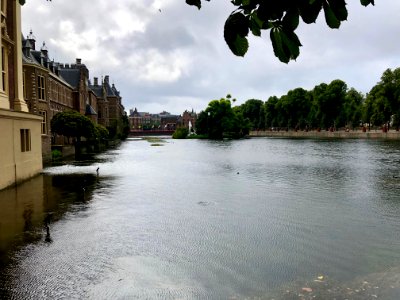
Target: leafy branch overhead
282, 18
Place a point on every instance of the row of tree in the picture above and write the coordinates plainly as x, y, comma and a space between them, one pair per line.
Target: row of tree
326, 106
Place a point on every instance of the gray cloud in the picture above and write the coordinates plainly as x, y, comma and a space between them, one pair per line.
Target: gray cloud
177, 59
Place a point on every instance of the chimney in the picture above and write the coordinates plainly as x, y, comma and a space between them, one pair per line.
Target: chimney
96, 81
106, 79
44, 50
32, 39
78, 61
27, 48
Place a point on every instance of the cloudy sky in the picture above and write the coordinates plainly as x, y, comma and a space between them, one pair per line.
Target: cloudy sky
166, 55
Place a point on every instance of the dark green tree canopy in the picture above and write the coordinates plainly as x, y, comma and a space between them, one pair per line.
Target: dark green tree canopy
282, 18
73, 124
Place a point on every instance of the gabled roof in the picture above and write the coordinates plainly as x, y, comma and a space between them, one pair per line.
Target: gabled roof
97, 90
89, 110
71, 76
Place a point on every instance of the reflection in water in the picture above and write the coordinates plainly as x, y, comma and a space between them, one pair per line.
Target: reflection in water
203, 219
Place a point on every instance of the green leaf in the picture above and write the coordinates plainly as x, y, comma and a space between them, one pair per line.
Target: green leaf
339, 9
292, 43
277, 44
330, 17
291, 19
255, 27
241, 46
235, 31
367, 2
194, 2
309, 11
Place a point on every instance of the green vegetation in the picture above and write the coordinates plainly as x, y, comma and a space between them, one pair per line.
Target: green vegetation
154, 140
73, 124
220, 120
282, 19
326, 106
56, 154
180, 133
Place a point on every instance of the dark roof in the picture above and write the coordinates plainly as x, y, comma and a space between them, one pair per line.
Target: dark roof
97, 89
71, 76
109, 90
90, 110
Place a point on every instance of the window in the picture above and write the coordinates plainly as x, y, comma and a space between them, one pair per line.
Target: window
3, 69
24, 84
41, 88
25, 140
43, 113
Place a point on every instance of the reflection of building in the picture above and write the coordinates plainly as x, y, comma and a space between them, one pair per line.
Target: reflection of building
20, 142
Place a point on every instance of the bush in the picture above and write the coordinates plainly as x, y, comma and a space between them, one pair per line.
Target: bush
180, 133
56, 154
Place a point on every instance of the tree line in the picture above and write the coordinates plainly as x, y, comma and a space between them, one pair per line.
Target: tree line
325, 107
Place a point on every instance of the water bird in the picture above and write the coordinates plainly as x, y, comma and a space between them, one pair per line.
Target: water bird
97, 171
48, 237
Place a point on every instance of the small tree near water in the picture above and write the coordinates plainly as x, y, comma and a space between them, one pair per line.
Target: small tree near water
73, 124
180, 133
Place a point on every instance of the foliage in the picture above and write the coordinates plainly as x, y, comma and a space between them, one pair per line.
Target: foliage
101, 132
180, 133
253, 110
125, 127
56, 154
282, 18
219, 120
73, 124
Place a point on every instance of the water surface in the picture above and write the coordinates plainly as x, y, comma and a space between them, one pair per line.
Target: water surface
202, 219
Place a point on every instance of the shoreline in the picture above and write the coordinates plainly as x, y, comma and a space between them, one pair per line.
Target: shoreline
340, 134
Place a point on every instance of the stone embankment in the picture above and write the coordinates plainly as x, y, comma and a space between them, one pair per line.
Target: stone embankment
340, 134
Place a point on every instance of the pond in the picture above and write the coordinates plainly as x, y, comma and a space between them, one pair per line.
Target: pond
184, 219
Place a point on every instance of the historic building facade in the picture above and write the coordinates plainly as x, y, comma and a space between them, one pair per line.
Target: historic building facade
45, 91
20, 142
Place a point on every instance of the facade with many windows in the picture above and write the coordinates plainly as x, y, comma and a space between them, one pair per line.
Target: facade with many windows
46, 92
20, 143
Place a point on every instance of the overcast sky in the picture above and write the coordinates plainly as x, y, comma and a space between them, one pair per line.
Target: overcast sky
166, 55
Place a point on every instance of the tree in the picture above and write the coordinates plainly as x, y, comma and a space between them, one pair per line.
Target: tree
73, 124
282, 18
219, 120
253, 110
352, 108
180, 133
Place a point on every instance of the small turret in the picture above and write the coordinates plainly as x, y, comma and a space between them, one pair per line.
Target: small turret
32, 39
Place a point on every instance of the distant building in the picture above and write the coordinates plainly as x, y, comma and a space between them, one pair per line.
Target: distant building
20, 138
170, 122
189, 118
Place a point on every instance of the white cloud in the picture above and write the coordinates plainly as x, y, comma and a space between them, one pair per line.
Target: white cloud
179, 55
